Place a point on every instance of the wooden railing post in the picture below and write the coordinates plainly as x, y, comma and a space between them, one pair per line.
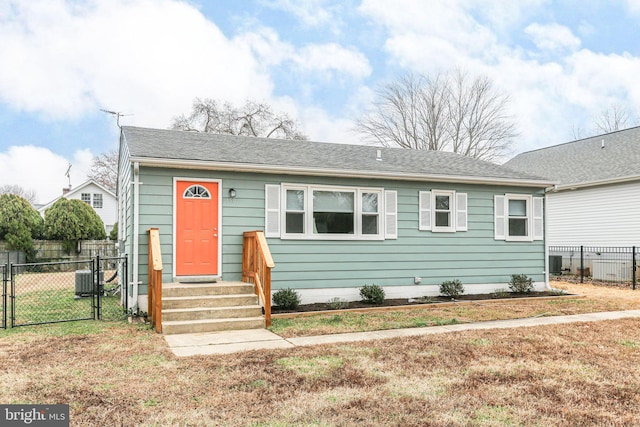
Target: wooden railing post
257, 263
155, 279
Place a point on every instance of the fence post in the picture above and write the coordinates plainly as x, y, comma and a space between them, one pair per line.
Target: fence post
633, 266
98, 289
581, 264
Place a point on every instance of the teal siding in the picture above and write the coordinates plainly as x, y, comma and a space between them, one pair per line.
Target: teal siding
473, 257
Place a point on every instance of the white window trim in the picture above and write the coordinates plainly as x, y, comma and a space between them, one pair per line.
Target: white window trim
529, 199
451, 228
308, 226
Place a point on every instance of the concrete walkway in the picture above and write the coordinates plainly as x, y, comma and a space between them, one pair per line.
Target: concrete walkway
255, 339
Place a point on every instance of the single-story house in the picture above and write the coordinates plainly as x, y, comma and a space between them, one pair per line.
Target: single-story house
597, 197
335, 216
100, 198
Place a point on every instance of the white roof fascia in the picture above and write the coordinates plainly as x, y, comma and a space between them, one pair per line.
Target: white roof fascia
246, 167
621, 180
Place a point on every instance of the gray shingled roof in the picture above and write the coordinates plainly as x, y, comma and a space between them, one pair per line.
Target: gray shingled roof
585, 160
179, 146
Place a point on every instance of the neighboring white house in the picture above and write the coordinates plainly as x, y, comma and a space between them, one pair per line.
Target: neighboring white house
596, 201
102, 200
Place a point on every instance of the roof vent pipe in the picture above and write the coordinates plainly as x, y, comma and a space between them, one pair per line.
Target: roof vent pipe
379, 155
602, 144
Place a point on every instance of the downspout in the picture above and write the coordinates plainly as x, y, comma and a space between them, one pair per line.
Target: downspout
136, 237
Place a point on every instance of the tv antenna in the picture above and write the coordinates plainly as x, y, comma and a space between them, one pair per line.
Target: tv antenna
68, 175
118, 114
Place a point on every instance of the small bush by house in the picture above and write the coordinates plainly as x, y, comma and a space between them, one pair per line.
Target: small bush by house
452, 288
286, 298
373, 294
521, 283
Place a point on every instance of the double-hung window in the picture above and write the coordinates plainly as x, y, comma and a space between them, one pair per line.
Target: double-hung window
295, 211
334, 213
86, 197
518, 217
443, 211
97, 200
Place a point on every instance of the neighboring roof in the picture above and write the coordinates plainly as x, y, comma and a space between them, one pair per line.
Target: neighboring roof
609, 158
75, 190
172, 148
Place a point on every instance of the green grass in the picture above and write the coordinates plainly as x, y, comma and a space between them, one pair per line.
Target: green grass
61, 305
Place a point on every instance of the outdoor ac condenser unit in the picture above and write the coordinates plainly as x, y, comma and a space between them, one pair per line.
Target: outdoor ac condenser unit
84, 282
612, 270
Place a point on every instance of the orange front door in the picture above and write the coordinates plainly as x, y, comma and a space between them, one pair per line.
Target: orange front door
196, 228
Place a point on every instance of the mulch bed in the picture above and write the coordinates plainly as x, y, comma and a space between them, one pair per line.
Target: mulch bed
395, 302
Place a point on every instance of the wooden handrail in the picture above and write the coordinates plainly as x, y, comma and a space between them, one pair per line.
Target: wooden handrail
257, 263
155, 279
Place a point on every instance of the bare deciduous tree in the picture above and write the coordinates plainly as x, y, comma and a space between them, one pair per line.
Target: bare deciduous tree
104, 169
613, 119
616, 117
446, 112
29, 195
252, 119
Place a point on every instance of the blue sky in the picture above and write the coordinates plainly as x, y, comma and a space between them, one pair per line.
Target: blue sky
61, 61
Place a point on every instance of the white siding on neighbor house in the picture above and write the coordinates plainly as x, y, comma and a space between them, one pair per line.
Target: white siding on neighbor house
598, 216
109, 210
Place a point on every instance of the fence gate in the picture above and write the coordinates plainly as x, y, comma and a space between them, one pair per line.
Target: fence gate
54, 292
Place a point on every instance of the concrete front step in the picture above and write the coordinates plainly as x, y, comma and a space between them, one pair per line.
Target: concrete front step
209, 301
211, 325
205, 313
200, 289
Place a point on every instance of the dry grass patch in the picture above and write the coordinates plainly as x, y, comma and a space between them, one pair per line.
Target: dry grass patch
120, 374
565, 375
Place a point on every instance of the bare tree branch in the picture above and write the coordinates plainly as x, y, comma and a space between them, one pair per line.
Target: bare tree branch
29, 195
446, 112
104, 169
252, 119
613, 119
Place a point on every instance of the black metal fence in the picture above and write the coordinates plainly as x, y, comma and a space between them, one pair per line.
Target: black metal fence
606, 265
51, 292
3, 302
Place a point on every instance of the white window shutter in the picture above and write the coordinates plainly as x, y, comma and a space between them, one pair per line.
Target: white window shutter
461, 212
390, 214
538, 229
499, 217
425, 210
272, 210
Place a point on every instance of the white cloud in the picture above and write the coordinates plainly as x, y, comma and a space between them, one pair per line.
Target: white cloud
329, 58
150, 58
333, 58
39, 169
550, 93
633, 6
552, 37
324, 127
312, 13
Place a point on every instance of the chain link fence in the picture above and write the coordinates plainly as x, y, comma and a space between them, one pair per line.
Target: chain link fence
51, 292
588, 264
